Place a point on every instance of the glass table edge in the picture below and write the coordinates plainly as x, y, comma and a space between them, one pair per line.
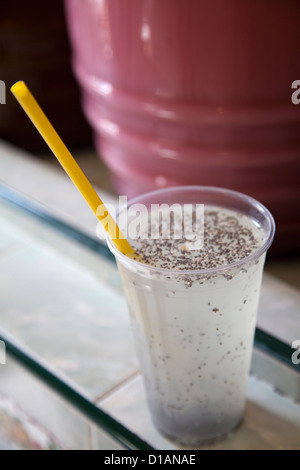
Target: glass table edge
263, 340
273, 347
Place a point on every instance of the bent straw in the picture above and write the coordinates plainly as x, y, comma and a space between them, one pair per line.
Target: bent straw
45, 128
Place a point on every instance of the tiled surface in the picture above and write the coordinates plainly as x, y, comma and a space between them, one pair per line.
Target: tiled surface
66, 304
72, 318
101, 440
66, 315
285, 380
21, 432
33, 401
8, 240
271, 420
279, 309
78, 323
44, 181
19, 230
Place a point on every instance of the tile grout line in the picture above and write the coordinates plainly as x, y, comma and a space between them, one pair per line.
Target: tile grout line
117, 387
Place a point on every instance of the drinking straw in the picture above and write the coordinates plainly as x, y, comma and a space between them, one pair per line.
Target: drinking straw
47, 131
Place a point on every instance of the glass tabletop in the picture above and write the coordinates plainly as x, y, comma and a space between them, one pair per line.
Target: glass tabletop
69, 372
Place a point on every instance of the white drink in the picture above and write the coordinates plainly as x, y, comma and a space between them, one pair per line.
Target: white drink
194, 331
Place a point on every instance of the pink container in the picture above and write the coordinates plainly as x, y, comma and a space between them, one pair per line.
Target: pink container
195, 92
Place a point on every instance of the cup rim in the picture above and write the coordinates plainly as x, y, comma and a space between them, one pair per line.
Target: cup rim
219, 269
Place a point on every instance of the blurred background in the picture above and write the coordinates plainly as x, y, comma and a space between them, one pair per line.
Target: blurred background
34, 47
146, 94
171, 93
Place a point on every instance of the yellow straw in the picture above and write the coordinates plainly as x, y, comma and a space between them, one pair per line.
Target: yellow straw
45, 128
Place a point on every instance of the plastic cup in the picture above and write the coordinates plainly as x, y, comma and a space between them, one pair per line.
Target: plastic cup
194, 329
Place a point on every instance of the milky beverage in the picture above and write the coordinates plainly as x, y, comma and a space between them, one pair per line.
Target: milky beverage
194, 330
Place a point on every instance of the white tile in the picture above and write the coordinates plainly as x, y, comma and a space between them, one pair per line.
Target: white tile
284, 379
25, 230
101, 440
68, 428
49, 185
65, 314
271, 421
10, 241
279, 309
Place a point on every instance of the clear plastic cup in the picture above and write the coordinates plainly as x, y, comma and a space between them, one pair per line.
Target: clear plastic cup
194, 329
